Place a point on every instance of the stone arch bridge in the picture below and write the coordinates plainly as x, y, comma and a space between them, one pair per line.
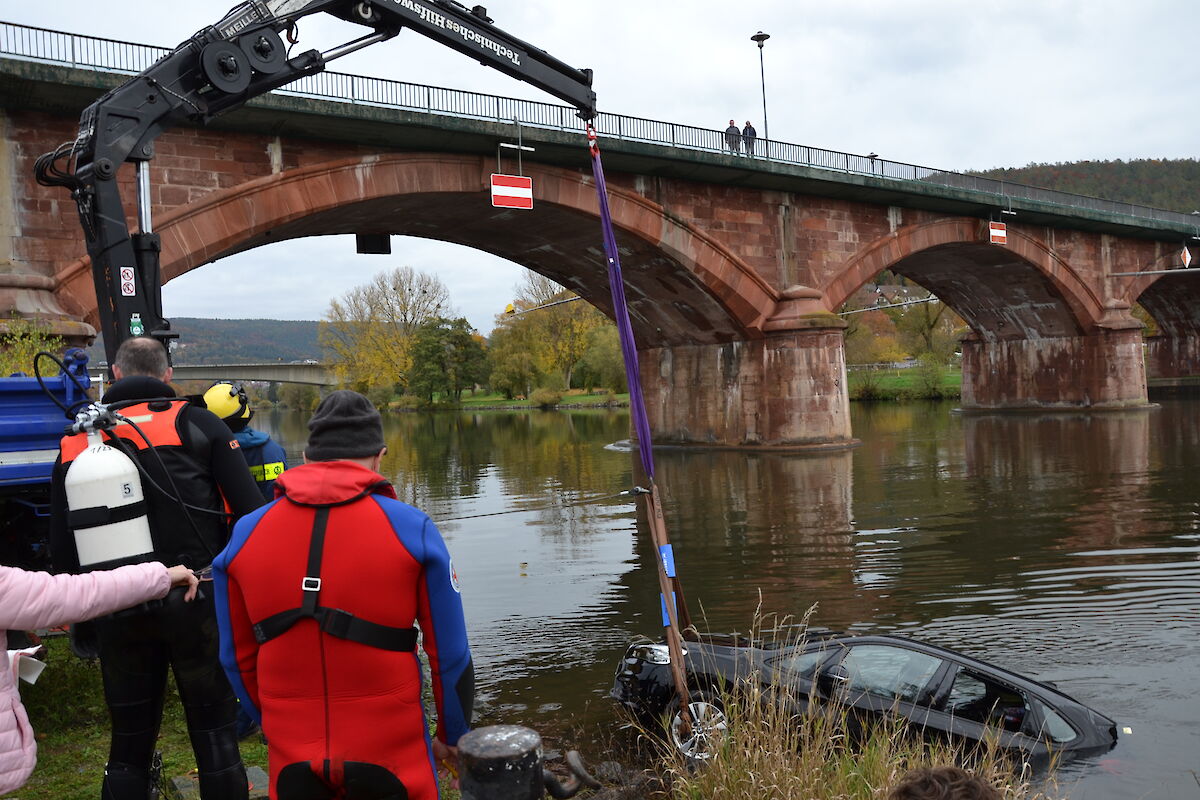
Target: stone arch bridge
735, 266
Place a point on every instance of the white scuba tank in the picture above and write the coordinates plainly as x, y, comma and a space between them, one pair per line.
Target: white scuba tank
107, 510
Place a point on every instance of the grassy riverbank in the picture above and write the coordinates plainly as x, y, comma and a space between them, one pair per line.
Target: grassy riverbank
924, 382
69, 718
67, 711
576, 398
768, 751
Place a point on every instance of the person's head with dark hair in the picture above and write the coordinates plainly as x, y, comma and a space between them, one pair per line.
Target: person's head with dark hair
142, 356
346, 426
942, 783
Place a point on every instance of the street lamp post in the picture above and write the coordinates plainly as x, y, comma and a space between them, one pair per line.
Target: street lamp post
761, 37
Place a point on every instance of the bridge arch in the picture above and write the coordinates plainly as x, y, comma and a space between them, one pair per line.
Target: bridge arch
683, 286
1020, 291
1173, 301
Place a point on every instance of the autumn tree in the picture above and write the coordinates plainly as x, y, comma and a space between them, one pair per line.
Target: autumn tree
871, 336
550, 326
22, 339
603, 363
928, 329
369, 330
1149, 323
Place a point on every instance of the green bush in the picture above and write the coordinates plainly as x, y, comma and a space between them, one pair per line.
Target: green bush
406, 402
545, 398
931, 374
866, 385
380, 396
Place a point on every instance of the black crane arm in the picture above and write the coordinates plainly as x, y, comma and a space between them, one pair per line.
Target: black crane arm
215, 71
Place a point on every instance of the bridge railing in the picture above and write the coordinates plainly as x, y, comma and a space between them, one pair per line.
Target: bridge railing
90, 52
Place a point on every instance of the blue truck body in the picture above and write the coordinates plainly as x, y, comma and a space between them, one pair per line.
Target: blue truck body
31, 425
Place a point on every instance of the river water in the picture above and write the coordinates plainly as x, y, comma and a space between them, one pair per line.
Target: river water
1064, 546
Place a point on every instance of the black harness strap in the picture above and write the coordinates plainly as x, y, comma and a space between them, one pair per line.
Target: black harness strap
333, 621
96, 516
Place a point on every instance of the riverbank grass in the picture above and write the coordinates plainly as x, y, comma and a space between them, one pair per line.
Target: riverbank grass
70, 720
575, 398
768, 751
923, 382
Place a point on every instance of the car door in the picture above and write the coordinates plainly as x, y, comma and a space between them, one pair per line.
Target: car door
973, 704
876, 681
796, 671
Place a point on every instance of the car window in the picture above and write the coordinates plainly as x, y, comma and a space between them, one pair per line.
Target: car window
802, 663
1054, 726
979, 698
891, 672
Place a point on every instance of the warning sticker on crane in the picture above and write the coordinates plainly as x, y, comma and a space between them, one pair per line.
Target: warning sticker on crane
128, 287
512, 191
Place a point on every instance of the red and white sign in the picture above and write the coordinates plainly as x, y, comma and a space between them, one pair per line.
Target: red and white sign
1186, 255
999, 232
512, 191
128, 287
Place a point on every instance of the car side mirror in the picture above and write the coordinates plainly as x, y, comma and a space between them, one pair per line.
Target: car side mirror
834, 677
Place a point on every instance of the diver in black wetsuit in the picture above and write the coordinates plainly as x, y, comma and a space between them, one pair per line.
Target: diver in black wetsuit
202, 463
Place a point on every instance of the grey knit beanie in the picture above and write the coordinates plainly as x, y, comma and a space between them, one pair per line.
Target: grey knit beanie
345, 425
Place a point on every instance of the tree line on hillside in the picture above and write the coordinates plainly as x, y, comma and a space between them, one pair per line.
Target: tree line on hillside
395, 339
236, 341
1170, 184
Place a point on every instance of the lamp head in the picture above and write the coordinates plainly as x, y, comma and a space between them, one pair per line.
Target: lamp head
760, 37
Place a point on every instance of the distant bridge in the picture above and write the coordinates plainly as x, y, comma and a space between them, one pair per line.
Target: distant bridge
313, 374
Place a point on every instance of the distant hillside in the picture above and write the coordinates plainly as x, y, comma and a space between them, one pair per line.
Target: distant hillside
1160, 183
238, 341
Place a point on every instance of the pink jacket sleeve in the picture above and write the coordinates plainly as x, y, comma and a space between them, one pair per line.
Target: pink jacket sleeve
40, 600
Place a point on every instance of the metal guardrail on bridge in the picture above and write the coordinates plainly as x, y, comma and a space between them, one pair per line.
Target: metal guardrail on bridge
90, 52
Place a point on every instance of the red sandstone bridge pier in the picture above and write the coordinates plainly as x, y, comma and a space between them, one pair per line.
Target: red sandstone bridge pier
734, 266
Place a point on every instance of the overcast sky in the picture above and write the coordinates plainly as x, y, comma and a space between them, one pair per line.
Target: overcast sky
952, 84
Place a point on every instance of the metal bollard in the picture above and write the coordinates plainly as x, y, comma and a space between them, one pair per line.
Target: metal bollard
500, 762
504, 762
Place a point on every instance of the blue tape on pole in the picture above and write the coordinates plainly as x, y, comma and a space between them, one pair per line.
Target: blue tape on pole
668, 559
663, 602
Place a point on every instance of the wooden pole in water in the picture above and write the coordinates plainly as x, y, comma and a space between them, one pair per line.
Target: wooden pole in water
668, 585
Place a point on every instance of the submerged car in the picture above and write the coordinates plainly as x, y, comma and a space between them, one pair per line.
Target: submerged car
948, 695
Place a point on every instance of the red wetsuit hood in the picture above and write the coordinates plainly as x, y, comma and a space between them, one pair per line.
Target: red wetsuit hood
325, 483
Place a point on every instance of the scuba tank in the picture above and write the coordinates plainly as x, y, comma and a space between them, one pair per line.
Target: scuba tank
106, 508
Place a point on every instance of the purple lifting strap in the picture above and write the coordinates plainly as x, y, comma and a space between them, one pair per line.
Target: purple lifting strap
616, 283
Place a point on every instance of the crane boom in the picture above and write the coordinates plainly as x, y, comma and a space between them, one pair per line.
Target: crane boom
215, 71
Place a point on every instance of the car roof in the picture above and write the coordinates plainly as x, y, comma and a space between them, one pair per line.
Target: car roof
815, 638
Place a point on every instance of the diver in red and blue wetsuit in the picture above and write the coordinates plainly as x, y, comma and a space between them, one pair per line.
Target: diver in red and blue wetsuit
317, 595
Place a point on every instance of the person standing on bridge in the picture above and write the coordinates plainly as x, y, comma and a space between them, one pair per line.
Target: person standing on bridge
733, 137
265, 458
317, 596
748, 137
193, 480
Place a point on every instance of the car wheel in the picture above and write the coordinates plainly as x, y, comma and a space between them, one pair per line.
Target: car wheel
708, 728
